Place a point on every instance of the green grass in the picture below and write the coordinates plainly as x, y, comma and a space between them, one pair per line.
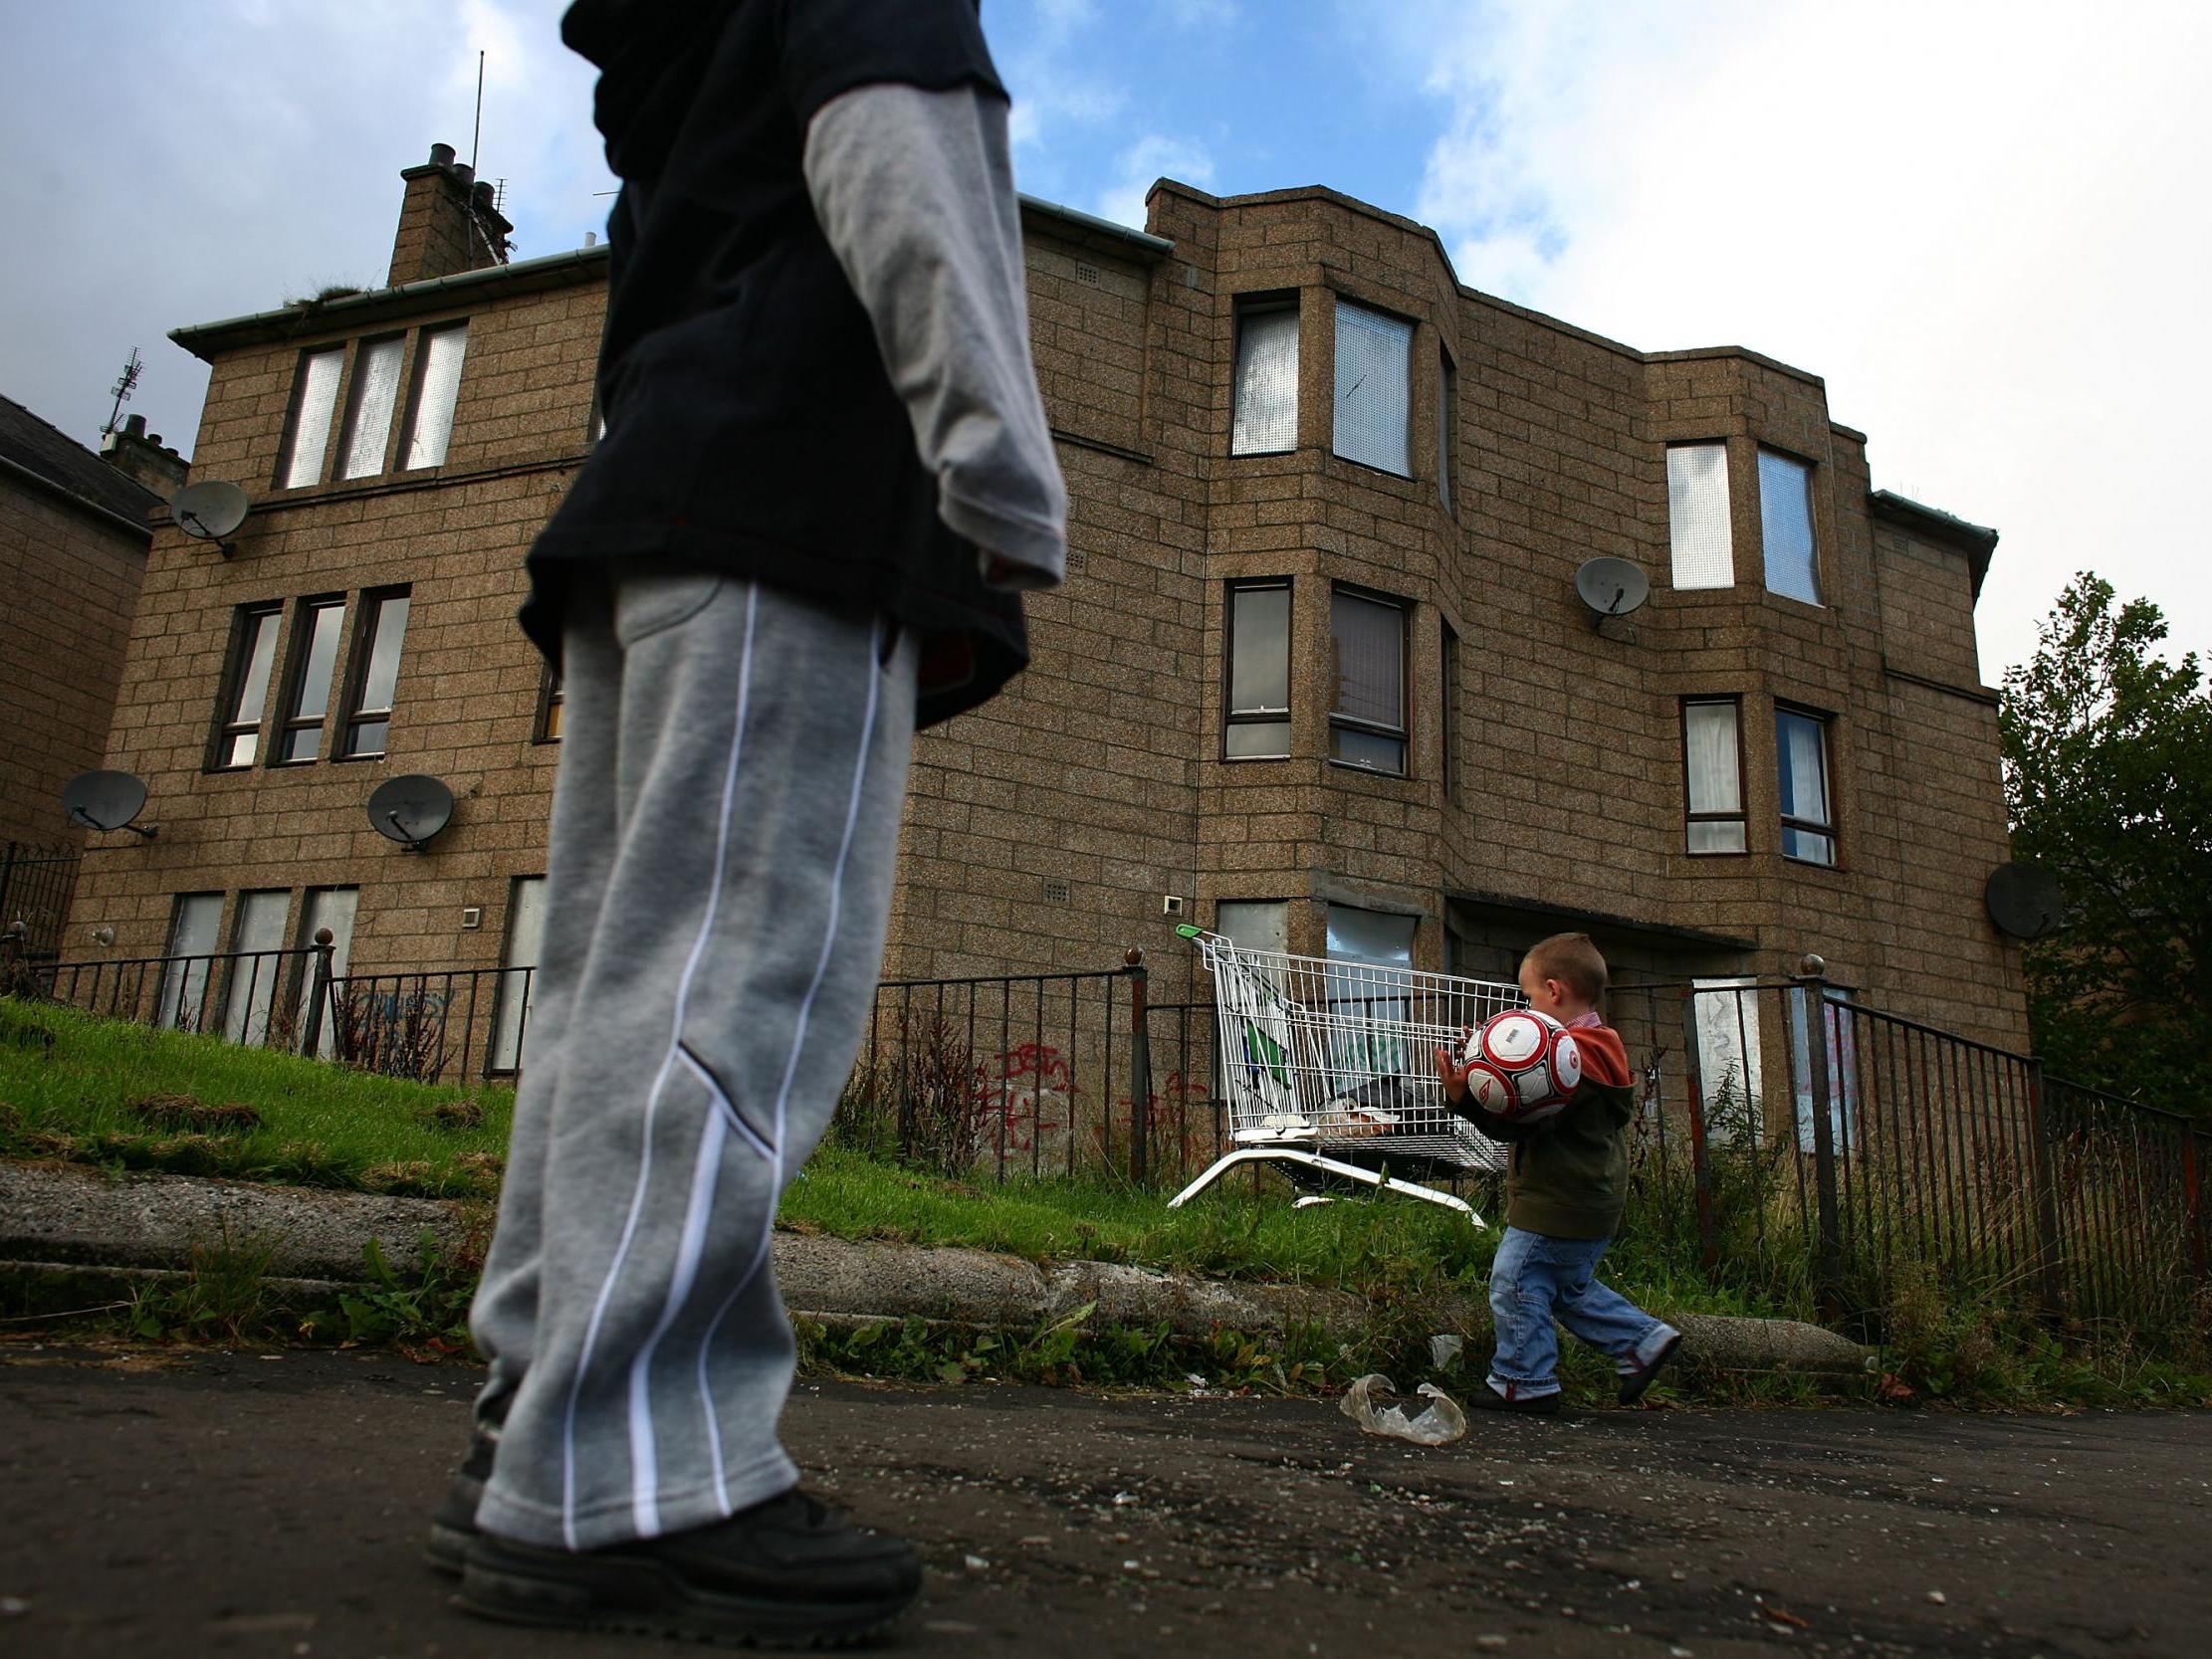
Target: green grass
329, 1126
319, 1124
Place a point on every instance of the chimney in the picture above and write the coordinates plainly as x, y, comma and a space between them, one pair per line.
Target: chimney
146, 461
447, 223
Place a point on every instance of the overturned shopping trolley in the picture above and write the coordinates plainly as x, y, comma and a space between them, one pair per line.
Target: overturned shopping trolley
1330, 1067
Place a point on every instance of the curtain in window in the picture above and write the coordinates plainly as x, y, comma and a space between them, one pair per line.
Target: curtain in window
1373, 394
253, 981
192, 933
370, 411
1715, 784
1802, 751
1786, 525
1728, 1016
1370, 640
332, 908
1266, 412
1698, 516
1842, 1069
437, 384
310, 423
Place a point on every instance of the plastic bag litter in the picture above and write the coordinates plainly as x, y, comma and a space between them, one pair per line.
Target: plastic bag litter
1445, 1349
1439, 1425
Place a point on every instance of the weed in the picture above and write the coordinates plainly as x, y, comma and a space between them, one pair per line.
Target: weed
424, 1314
223, 1294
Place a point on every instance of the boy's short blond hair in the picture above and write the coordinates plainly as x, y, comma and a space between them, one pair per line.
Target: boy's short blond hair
1573, 960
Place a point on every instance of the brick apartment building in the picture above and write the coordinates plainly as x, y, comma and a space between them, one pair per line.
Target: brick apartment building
74, 534
1319, 674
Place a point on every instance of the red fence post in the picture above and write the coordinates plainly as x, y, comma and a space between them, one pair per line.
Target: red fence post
1709, 1237
1140, 1067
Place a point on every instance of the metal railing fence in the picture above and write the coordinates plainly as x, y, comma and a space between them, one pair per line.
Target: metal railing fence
1784, 1128
36, 882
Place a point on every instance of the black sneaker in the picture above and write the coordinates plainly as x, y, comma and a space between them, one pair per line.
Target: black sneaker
454, 1522
1633, 1384
790, 1573
1484, 1397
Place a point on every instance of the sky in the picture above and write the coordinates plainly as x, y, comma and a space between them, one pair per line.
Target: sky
1984, 224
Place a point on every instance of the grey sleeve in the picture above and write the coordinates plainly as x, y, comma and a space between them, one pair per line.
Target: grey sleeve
915, 191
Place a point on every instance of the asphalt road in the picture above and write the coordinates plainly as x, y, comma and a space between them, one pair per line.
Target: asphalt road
156, 1503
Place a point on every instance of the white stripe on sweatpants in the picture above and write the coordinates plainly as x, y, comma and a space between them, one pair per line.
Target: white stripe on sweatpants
791, 1065
641, 1430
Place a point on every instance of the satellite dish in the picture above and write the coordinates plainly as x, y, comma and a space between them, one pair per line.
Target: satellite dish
2024, 901
1610, 587
210, 512
107, 801
410, 810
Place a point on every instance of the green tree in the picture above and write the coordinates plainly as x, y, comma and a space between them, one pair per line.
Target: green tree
2107, 752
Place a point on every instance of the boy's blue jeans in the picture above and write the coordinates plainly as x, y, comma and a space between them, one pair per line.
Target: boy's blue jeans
1537, 1279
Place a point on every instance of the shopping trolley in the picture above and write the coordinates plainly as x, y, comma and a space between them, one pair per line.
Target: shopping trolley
1330, 1067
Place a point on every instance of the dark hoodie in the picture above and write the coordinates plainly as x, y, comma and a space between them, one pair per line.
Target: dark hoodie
750, 425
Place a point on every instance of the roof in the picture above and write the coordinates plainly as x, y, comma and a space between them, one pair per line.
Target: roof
575, 266
68, 468
1976, 542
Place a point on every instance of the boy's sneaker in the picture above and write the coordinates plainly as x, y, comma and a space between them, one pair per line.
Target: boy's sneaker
1634, 1380
789, 1572
1487, 1398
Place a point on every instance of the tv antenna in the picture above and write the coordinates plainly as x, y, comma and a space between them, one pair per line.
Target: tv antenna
126, 382
477, 133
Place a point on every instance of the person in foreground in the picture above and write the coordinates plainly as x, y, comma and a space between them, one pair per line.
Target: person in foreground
826, 477
1566, 1181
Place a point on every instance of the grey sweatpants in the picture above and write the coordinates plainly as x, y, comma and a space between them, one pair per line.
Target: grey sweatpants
724, 835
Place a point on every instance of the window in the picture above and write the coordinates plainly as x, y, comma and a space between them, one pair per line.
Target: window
257, 928
1448, 407
1800, 764
1370, 1040
1698, 516
1367, 647
368, 407
1786, 527
1265, 1060
553, 701
332, 908
313, 401
1728, 1084
526, 938
1373, 397
1447, 710
1254, 924
1840, 1062
253, 655
182, 1005
430, 404
1264, 420
1257, 718
315, 635
376, 672
1713, 775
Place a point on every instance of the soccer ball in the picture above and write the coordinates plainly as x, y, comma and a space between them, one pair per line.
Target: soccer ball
1523, 1065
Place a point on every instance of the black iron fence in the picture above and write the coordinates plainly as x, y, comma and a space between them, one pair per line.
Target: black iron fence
263, 998
427, 1025
35, 886
1787, 1127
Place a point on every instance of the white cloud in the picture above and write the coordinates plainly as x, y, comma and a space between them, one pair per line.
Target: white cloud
1975, 222
1150, 158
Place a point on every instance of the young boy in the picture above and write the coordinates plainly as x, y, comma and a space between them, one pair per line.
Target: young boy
1566, 1179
